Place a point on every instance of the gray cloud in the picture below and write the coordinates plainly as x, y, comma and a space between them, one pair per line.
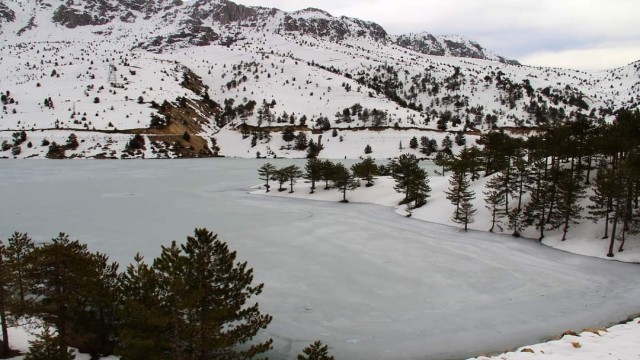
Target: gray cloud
522, 29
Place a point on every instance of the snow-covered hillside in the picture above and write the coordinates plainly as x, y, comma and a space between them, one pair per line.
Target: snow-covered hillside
104, 70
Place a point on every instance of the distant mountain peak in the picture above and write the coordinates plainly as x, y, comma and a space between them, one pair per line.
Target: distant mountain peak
448, 45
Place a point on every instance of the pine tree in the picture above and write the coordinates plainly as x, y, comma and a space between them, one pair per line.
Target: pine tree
460, 195
570, 192
71, 291
293, 172
366, 169
343, 180
404, 168
515, 218
266, 173
143, 321
48, 347
367, 149
282, 176
601, 201
418, 187
494, 200
313, 172
535, 211
413, 143
327, 169
4, 301
288, 135
206, 294
316, 351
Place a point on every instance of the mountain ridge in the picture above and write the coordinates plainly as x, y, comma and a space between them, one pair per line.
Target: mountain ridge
233, 77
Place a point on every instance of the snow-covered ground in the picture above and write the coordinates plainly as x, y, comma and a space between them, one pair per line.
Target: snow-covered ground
617, 342
583, 239
372, 284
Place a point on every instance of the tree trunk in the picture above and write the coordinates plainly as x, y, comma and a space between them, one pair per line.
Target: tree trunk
6, 350
613, 235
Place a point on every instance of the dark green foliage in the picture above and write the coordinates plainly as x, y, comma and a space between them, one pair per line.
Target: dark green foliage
266, 173
282, 176
316, 351
74, 290
293, 172
313, 172
48, 346
411, 179
494, 202
142, 325
136, 143
301, 141
366, 169
288, 135
72, 141
191, 304
413, 143
326, 170
367, 149
460, 195
343, 180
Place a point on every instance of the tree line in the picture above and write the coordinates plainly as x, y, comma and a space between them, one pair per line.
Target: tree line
541, 181
194, 301
411, 179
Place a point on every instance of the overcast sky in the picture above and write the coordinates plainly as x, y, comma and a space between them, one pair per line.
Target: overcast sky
579, 34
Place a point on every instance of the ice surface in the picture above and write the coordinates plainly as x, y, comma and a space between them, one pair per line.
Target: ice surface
372, 284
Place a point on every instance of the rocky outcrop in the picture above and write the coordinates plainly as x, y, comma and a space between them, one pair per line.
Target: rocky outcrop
428, 44
320, 23
6, 14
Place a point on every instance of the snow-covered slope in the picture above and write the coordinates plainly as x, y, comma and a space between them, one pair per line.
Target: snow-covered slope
106, 67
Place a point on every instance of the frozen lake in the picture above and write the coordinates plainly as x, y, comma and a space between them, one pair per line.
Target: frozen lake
368, 282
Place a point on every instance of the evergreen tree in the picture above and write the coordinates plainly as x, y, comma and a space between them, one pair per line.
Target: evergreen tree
4, 302
516, 223
403, 168
460, 139
205, 294
447, 144
366, 169
367, 149
570, 193
327, 169
494, 202
282, 176
413, 143
418, 187
266, 173
48, 347
601, 200
460, 195
293, 172
313, 172
538, 186
424, 146
343, 180
301, 141
316, 351
74, 290
288, 135
143, 322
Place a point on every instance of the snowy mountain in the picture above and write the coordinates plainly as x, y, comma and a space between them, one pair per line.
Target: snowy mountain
211, 77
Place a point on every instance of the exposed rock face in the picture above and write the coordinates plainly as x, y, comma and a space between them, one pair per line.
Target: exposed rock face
91, 12
427, 44
320, 23
6, 14
197, 20
448, 45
